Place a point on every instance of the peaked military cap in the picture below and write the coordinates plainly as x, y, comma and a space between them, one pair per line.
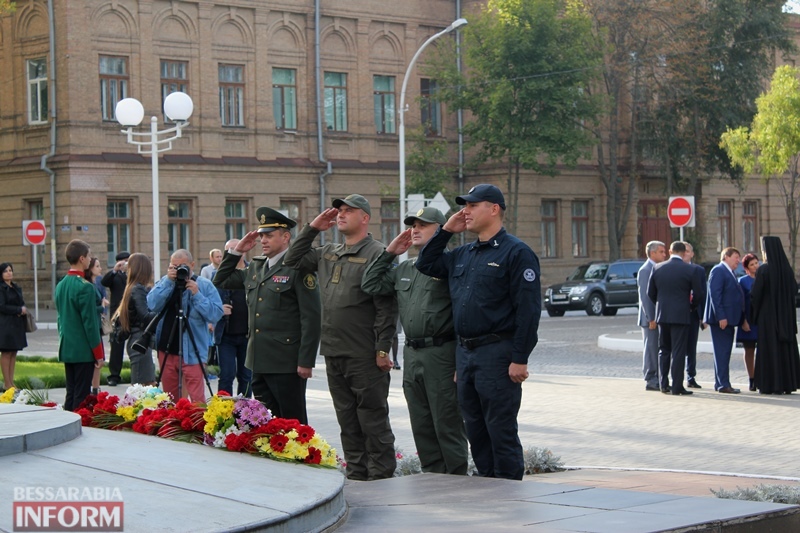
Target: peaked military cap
270, 220
354, 200
431, 215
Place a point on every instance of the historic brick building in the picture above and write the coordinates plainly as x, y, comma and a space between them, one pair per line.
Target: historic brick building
251, 68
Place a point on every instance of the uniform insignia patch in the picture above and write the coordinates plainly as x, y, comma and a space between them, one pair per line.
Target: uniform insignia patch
280, 279
310, 281
336, 277
419, 213
263, 219
493, 264
529, 275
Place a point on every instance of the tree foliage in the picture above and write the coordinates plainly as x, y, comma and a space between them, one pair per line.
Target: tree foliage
528, 64
428, 172
771, 145
7, 6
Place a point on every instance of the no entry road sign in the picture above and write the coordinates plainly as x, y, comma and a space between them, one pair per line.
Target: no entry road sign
33, 232
680, 211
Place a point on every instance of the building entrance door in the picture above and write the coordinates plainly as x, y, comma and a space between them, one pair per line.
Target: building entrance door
653, 224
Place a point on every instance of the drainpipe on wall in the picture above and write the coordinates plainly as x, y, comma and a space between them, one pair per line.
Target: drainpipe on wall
52, 152
318, 82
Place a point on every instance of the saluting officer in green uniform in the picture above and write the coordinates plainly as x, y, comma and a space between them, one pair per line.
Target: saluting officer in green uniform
430, 353
358, 330
284, 314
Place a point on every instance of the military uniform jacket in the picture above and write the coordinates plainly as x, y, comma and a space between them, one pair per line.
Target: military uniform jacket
423, 302
494, 286
78, 326
354, 323
284, 311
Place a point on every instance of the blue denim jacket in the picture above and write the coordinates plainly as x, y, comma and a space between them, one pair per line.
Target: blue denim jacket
203, 308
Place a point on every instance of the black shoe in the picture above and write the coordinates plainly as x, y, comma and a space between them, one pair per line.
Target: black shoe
652, 387
752, 385
112, 382
692, 384
681, 392
728, 390
396, 365
665, 390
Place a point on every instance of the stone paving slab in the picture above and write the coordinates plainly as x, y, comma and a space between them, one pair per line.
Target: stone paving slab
26, 428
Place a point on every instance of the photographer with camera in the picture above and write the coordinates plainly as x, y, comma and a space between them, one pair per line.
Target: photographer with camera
184, 297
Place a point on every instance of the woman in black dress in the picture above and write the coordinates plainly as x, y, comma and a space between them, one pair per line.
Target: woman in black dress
773, 300
12, 324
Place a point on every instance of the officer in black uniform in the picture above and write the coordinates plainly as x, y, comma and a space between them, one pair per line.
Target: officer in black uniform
284, 315
497, 302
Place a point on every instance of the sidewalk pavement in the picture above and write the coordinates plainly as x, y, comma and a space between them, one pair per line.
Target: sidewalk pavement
649, 440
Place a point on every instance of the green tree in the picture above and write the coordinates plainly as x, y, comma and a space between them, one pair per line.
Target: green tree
7, 6
770, 147
428, 171
528, 64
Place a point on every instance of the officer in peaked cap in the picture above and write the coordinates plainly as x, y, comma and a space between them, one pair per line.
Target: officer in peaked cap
284, 315
430, 354
269, 220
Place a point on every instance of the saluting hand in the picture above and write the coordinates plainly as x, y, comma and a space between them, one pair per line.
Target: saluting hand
248, 242
456, 223
325, 220
401, 243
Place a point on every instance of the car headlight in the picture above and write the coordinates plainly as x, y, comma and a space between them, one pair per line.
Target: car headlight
548, 292
576, 291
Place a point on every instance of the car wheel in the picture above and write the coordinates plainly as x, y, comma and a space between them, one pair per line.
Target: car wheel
555, 312
595, 305
610, 311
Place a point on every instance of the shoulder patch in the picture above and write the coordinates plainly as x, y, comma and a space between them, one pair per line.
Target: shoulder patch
310, 281
529, 275
360, 260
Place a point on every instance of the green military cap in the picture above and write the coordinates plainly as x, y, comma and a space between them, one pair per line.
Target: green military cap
430, 215
354, 200
269, 220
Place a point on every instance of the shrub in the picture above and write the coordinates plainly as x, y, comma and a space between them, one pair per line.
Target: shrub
537, 461
788, 494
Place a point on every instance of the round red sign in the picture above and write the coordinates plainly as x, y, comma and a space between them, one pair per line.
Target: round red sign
679, 212
35, 232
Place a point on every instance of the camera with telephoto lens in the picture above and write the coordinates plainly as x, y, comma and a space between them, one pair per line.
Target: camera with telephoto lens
182, 273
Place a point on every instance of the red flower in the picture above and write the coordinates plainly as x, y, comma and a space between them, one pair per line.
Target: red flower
183, 403
223, 393
187, 424
280, 425
278, 442
304, 433
86, 416
87, 403
49, 404
314, 456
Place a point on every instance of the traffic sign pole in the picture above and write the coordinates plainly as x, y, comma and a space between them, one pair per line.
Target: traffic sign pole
35, 283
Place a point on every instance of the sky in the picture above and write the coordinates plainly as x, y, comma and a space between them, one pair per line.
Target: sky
793, 6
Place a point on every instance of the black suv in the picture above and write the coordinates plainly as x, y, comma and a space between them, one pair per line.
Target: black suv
598, 288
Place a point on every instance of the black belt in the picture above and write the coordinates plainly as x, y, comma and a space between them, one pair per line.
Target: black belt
429, 341
474, 342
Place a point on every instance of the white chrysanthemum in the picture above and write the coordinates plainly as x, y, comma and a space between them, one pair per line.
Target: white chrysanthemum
219, 436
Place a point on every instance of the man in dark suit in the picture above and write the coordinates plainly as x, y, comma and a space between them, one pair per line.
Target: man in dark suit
116, 279
671, 287
724, 311
284, 312
694, 324
656, 253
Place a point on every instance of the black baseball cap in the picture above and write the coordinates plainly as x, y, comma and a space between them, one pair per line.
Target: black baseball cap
483, 193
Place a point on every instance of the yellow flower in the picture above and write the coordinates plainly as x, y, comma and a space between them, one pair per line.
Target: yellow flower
216, 413
7, 396
128, 413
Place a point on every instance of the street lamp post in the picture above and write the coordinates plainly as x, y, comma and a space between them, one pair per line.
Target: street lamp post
178, 107
402, 127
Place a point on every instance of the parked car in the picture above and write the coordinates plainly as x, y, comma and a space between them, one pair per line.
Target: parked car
598, 288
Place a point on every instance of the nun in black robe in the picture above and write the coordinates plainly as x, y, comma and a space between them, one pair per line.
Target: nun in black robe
773, 309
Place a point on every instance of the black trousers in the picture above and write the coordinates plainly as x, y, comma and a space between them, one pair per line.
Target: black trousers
283, 394
672, 342
79, 383
115, 360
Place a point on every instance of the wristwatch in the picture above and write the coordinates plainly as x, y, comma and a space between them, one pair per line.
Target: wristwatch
381, 353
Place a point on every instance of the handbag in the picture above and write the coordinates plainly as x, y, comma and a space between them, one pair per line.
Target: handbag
213, 355
118, 335
30, 323
105, 324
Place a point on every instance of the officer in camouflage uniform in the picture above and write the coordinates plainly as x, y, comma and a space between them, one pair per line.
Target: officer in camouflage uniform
357, 334
430, 354
284, 314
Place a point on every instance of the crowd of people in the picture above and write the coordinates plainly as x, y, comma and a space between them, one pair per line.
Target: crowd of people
756, 310
267, 320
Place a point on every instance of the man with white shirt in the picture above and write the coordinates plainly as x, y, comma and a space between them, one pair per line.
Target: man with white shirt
724, 311
284, 315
